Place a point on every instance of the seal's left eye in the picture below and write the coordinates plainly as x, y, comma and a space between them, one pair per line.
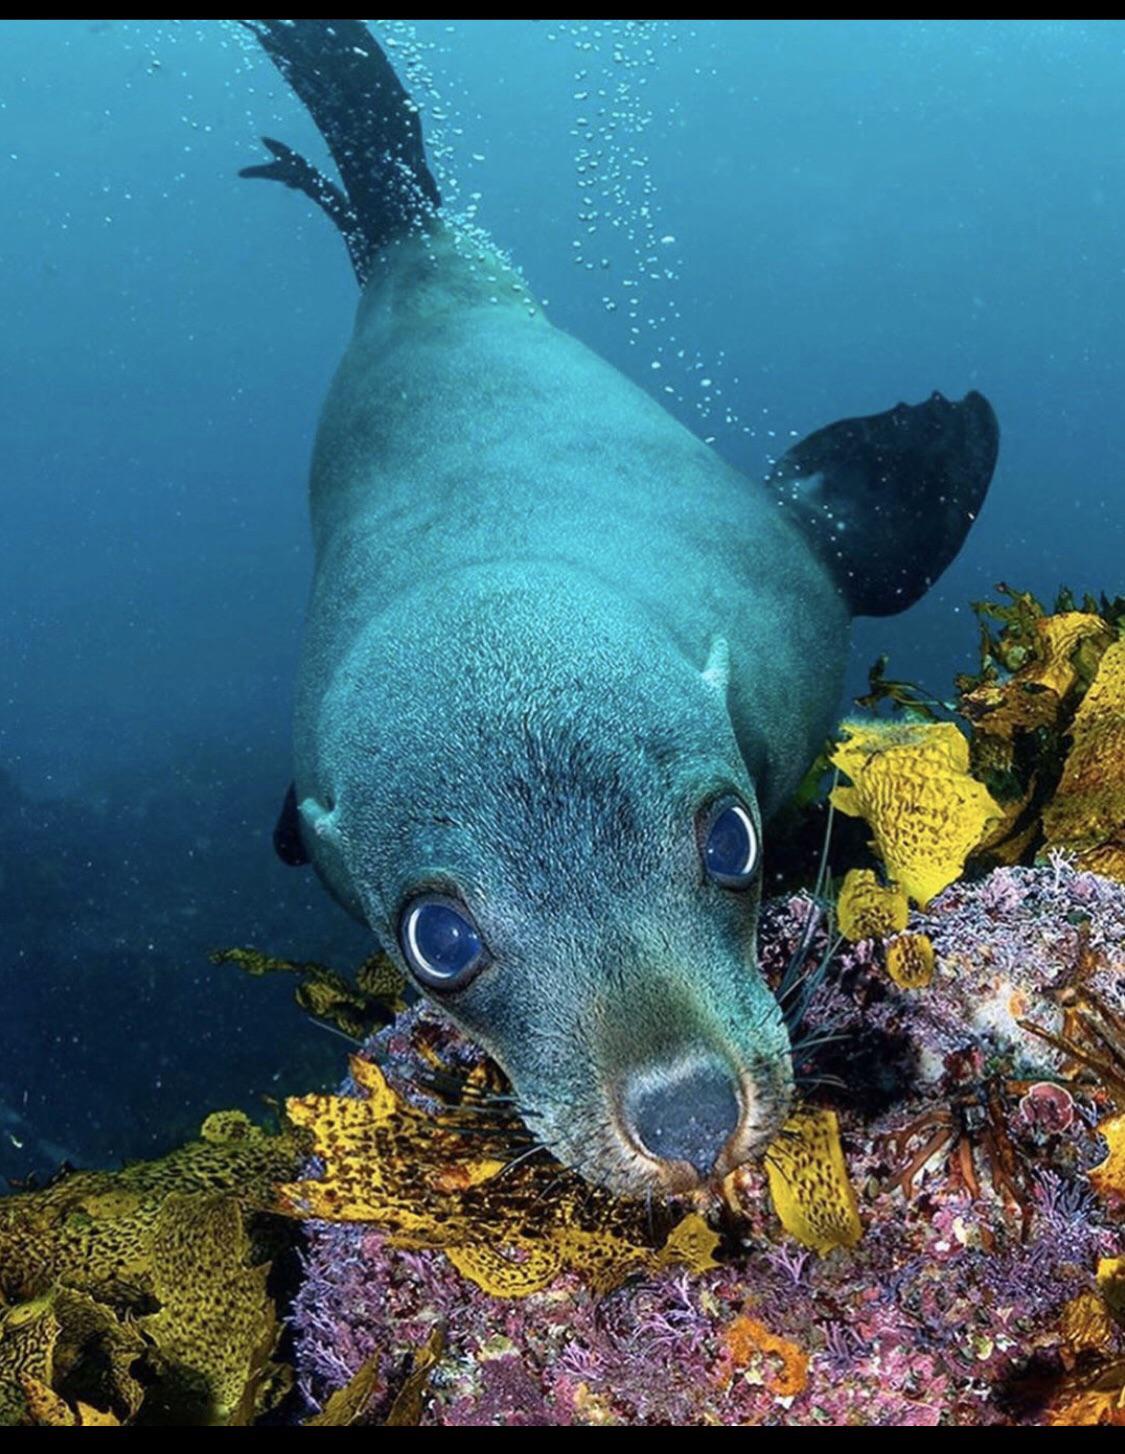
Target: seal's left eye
730, 845
441, 943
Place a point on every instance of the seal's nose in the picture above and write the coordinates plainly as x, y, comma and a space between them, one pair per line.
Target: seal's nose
688, 1117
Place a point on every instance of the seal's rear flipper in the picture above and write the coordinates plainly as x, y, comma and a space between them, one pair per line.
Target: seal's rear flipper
888, 500
369, 122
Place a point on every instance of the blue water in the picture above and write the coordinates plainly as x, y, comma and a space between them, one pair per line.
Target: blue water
840, 215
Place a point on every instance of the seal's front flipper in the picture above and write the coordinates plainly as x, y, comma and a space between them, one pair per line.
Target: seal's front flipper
287, 841
888, 500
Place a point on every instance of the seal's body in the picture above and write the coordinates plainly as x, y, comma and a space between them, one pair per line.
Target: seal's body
465, 434
561, 660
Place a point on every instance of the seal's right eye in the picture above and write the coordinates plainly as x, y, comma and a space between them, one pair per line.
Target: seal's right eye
441, 943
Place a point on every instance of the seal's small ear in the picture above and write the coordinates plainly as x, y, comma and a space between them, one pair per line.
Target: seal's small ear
888, 500
717, 671
287, 841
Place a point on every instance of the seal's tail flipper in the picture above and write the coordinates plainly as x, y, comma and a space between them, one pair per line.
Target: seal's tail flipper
888, 500
371, 127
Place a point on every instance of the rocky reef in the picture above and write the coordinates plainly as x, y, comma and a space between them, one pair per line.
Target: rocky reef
984, 1286
937, 1236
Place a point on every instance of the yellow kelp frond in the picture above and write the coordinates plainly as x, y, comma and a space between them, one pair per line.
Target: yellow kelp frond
1108, 1178
1087, 813
349, 1404
1111, 1285
410, 1401
216, 1329
1068, 648
1094, 1390
356, 1007
98, 1347
867, 909
910, 961
1086, 1324
405, 1170
47, 1408
68, 1341
202, 1358
92, 1230
28, 1334
809, 1184
911, 784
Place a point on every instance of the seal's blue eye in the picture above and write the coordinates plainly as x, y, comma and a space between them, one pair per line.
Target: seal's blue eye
730, 845
441, 943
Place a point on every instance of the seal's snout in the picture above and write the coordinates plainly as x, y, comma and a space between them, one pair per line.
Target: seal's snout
687, 1117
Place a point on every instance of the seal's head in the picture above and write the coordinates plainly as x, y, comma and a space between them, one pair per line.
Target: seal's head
541, 808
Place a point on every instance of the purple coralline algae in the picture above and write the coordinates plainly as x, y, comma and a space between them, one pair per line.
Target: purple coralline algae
968, 1155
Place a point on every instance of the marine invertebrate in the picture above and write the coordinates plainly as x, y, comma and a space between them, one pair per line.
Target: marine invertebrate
911, 783
974, 1117
747, 1339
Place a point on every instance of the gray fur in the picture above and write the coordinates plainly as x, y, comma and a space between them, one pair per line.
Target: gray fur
547, 623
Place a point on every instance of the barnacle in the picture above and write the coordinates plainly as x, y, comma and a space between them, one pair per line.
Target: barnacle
404, 1170
1087, 812
911, 784
910, 961
867, 909
809, 1184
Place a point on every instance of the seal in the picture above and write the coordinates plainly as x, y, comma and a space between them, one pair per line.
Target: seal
562, 662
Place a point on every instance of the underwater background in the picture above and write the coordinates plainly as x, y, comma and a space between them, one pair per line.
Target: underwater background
770, 225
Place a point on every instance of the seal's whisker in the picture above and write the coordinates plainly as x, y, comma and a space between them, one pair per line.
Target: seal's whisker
519, 1160
549, 1188
335, 1030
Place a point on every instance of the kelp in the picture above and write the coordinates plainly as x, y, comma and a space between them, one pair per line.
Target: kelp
910, 961
138, 1295
809, 1184
385, 1162
911, 784
1093, 1390
868, 909
93, 1230
1040, 767
356, 1007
